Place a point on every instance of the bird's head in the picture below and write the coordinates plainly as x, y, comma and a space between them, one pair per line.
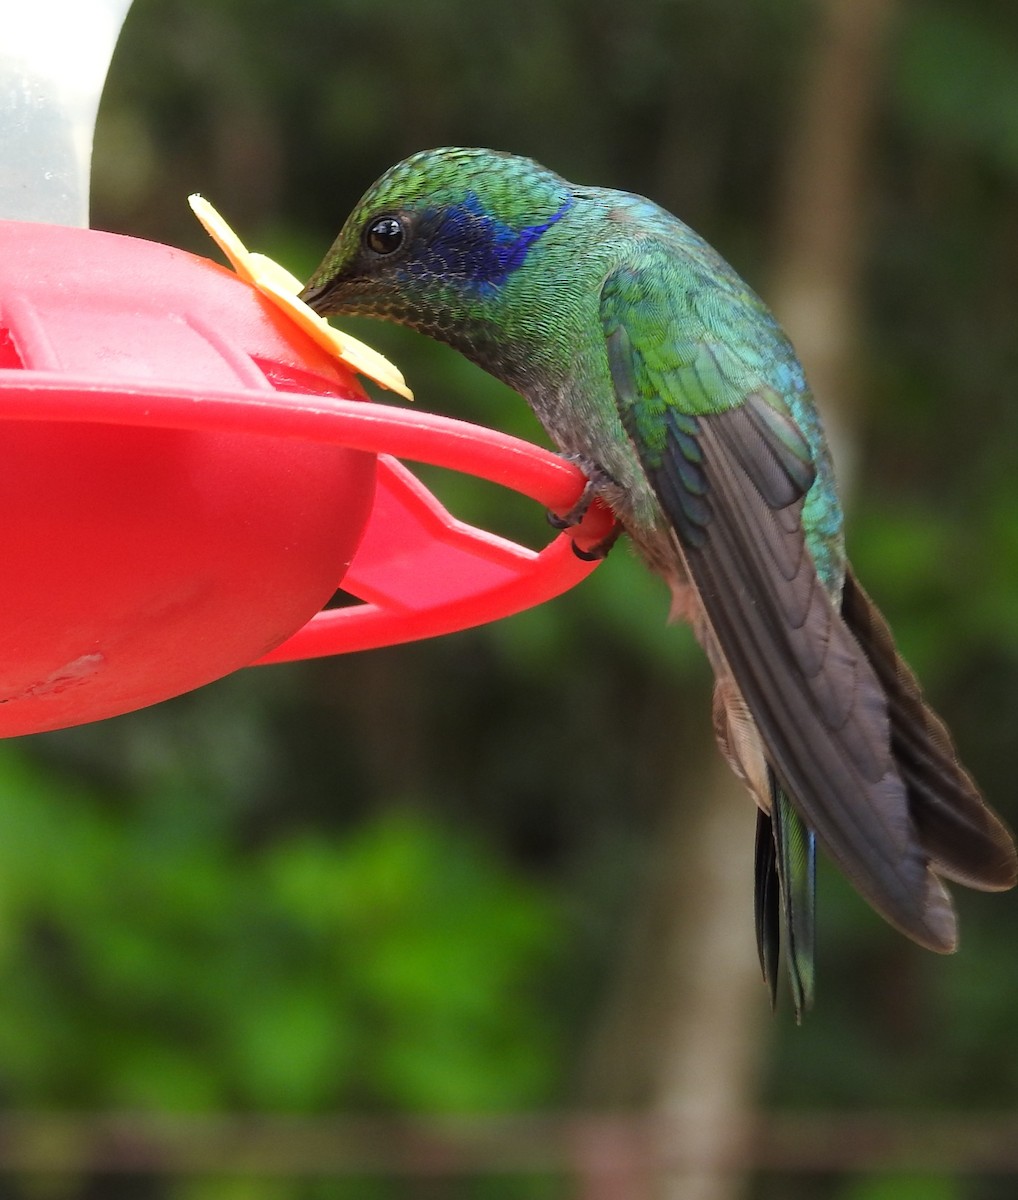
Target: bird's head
457, 243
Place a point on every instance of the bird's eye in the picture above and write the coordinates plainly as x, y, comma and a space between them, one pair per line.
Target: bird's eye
384, 236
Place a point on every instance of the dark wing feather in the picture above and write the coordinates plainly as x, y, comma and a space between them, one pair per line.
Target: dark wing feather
964, 840
814, 697
730, 469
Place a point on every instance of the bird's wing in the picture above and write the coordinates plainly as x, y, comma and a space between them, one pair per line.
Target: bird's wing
963, 839
731, 468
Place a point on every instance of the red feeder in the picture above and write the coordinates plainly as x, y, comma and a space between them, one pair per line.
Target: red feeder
188, 478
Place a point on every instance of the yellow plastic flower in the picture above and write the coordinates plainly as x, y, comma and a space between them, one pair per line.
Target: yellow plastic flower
282, 288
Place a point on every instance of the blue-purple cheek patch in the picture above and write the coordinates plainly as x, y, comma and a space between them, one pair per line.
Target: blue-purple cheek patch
469, 243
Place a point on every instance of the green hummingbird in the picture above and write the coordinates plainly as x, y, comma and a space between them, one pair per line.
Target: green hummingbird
653, 366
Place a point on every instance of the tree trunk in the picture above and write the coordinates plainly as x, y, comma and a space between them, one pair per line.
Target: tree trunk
822, 212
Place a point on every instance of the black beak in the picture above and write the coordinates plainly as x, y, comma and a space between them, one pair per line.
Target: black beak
317, 298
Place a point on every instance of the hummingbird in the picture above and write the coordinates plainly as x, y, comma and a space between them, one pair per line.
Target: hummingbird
656, 369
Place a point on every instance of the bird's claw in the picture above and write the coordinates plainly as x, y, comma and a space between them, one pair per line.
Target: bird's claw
597, 481
579, 510
600, 549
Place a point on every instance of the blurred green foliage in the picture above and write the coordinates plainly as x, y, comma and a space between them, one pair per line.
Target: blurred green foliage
126, 943
398, 881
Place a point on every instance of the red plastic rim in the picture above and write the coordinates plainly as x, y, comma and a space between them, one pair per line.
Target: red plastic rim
419, 571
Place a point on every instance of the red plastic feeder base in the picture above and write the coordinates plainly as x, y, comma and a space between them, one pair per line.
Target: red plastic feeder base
188, 478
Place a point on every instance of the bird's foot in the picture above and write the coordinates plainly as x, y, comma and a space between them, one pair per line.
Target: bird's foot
575, 515
599, 549
598, 482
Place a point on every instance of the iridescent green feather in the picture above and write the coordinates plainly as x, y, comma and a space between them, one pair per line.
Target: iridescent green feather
795, 856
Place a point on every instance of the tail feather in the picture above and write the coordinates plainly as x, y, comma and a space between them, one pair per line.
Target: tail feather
767, 903
954, 833
797, 862
785, 866
786, 899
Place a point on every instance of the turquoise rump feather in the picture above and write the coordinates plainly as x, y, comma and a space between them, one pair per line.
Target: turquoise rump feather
654, 366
